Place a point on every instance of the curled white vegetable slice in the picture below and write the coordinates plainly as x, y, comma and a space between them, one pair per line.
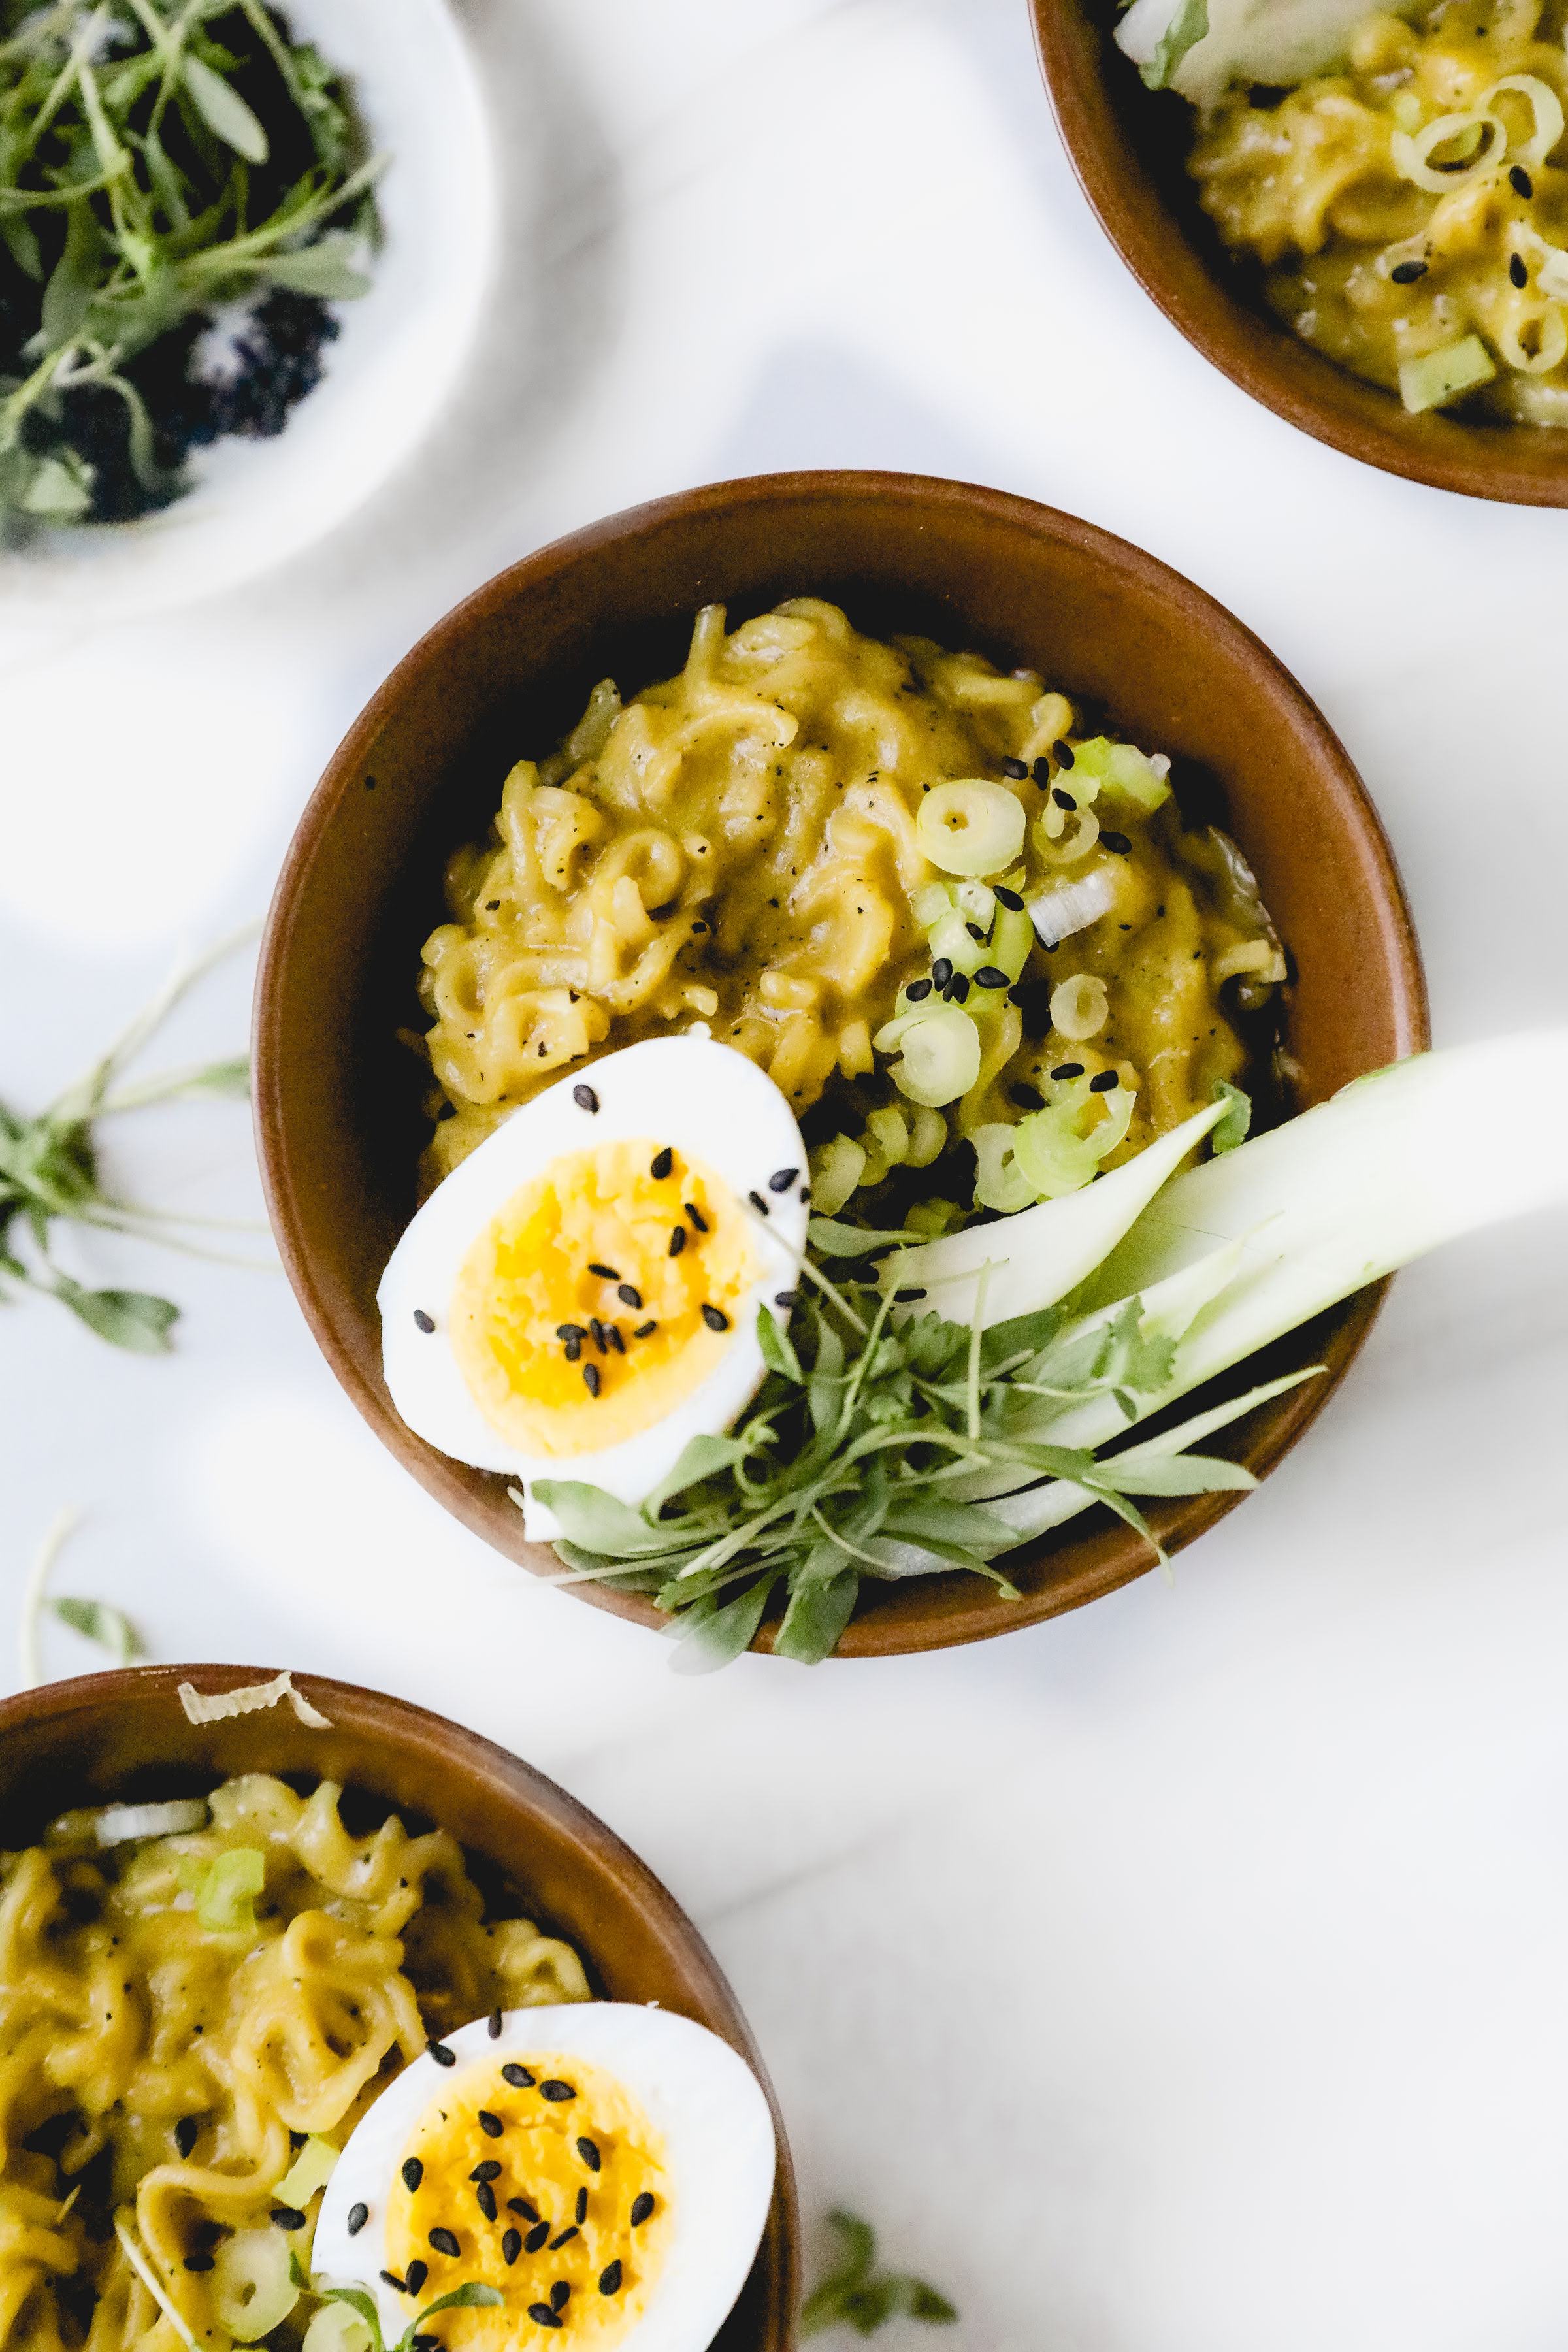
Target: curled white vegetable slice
971, 828
1411, 150
1550, 340
1072, 907
1080, 1007
1544, 104
118, 1824
218, 1706
940, 1051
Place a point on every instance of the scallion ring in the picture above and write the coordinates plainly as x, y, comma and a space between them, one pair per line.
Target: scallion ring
1080, 1007
1545, 105
1412, 153
971, 828
940, 1047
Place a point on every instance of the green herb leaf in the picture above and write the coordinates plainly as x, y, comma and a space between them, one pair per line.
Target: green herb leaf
831, 1238
597, 1521
135, 1320
224, 110
1185, 30
1237, 1124
470, 2296
820, 1607
777, 1348
712, 1639
856, 2296
226, 1899
365, 2305
1179, 1474
109, 1627
326, 269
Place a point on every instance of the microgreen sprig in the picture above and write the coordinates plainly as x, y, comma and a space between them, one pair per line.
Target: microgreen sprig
858, 2295
49, 1175
472, 2295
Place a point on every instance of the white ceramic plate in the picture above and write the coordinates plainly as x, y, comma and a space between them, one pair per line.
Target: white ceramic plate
389, 371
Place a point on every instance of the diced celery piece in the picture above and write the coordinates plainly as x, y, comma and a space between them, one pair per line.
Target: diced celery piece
1011, 941
1438, 377
1117, 767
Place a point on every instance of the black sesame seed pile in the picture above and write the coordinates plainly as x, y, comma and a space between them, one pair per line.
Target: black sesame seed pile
603, 2202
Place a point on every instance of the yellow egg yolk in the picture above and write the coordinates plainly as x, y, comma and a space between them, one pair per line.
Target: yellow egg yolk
603, 1294
544, 2181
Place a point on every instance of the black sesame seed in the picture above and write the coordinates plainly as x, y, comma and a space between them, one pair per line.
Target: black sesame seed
1016, 769
1028, 1097
445, 2240
518, 2077
563, 1331
1104, 1083
573, 1351
786, 1298
716, 1320
580, 2210
1068, 1070
916, 990
542, 2316
696, 1215
198, 2263
495, 2025
629, 1295
605, 1273
591, 1379
1063, 800
1063, 753
287, 2217
588, 2150
560, 2294
485, 2198
940, 972
905, 1297
535, 2238
584, 1098
758, 1203
1117, 843
974, 931
957, 988
520, 2205
642, 2206
423, 1322
613, 1333
598, 1328
441, 2054
991, 975
1518, 274
553, 2088
661, 1164
1521, 184
782, 1179
422, 2343
1041, 771
678, 1239
399, 2287
418, 2273
490, 906
187, 2131
1405, 273
489, 2170
564, 2238
1005, 897
510, 2247
358, 2216
645, 1331
610, 2279
413, 2174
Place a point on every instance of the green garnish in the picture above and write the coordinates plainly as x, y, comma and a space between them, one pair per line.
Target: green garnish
865, 1443
1235, 1124
470, 2296
857, 2296
1188, 24
49, 1175
155, 160
97, 1620
225, 1898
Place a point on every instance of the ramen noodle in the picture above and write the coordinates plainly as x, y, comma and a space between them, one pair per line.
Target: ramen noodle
166, 2041
1411, 212
742, 846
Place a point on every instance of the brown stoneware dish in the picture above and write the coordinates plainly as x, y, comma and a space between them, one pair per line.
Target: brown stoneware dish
338, 1098
1128, 146
124, 1735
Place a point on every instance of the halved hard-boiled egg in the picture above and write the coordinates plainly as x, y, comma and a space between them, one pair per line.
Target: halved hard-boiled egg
605, 2169
579, 1298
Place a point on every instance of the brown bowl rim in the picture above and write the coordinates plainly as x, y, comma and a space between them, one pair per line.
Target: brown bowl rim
381, 1718
1119, 1555
1517, 465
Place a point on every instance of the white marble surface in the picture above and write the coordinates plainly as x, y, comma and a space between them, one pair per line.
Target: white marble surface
1185, 1976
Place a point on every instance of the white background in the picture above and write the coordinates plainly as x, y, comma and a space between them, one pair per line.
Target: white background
1190, 1975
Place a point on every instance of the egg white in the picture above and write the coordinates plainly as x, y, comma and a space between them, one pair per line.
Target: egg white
702, 2098
711, 1104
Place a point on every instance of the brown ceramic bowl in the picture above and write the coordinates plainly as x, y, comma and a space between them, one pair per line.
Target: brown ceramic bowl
338, 1100
125, 1735
1128, 146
